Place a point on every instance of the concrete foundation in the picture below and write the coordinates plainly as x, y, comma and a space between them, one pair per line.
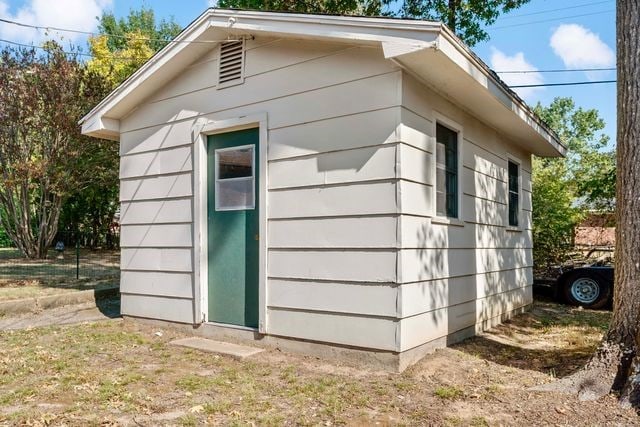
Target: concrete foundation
352, 356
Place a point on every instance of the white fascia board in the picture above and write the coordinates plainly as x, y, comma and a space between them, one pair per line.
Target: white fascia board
459, 54
191, 33
465, 59
102, 127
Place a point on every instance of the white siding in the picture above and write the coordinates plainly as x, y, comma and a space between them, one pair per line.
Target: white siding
333, 114
359, 331
339, 232
336, 297
336, 265
459, 275
354, 257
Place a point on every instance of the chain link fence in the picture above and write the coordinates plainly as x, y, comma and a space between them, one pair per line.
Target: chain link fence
74, 257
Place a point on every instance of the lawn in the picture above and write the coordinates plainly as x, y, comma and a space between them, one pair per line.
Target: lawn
123, 372
16, 271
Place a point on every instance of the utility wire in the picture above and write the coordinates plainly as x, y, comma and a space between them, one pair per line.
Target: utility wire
571, 70
565, 84
89, 33
551, 19
30, 46
542, 12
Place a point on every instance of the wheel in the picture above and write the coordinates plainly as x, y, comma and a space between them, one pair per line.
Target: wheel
586, 290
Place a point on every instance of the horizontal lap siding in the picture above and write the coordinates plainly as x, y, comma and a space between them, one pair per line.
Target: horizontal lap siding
157, 283
357, 129
347, 232
351, 330
333, 114
363, 299
454, 276
351, 70
422, 328
334, 265
429, 264
156, 235
425, 296
338, 167
360, 199
157, 307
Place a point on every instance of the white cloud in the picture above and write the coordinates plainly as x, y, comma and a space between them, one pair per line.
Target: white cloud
580, 48
502, 62
73, 14
212, 3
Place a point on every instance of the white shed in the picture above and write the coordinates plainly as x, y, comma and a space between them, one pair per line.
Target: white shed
346, 186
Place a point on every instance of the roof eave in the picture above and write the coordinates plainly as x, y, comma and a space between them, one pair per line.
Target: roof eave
399, 39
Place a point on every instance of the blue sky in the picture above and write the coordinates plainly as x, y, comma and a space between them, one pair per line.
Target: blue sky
542, 35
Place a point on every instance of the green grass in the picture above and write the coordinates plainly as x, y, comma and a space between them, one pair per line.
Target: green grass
448, 392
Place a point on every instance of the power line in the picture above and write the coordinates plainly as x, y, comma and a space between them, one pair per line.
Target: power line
571, 70
30, 46
541, 12
564, 84
89, 33
551, 19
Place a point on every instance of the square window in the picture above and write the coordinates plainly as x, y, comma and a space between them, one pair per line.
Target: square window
235, 179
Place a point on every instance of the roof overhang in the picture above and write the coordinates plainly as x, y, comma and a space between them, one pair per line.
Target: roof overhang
426, 49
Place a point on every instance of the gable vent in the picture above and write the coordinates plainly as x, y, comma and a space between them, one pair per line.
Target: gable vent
230, 70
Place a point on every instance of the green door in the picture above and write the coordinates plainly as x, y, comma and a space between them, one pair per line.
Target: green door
233, 227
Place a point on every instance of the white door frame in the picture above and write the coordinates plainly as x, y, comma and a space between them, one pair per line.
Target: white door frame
200, 131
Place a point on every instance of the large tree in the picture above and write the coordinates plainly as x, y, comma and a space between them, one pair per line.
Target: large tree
565, 189
43, 157
124, 44
465, 17
615, 366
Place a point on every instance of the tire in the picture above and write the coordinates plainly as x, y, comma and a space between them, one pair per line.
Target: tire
586, 290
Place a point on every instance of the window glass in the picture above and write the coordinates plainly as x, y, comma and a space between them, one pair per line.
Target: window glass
235, 163
446, 172
514, 193
235, 181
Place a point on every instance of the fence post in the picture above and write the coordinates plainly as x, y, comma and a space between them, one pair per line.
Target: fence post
77, 259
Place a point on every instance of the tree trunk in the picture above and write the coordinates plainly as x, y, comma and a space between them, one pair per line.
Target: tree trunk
615, 367
625, 326
451, 18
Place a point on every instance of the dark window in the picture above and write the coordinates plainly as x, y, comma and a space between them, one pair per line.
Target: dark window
514, 193
446, 172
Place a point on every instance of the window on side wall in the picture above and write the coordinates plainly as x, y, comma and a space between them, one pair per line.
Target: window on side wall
446, 172
514, 193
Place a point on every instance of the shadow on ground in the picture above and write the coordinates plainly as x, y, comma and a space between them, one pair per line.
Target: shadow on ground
109, 305
551, 338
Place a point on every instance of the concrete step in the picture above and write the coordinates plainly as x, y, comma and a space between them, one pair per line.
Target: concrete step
239, 352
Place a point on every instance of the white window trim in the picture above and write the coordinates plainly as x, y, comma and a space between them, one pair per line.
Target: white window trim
244, 178
443, 120
514, 159
200, 131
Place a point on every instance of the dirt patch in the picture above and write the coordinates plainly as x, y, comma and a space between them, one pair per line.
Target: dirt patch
125, 373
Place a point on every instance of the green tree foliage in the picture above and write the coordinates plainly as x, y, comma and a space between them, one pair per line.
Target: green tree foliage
465, 17
125, 44
121, 48
43, 157
5, 241
565, 189
340, 7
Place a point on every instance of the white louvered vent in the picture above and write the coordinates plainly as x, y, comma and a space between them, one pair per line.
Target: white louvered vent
231, 68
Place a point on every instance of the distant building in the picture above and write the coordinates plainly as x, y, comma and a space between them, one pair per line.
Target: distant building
597, 229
